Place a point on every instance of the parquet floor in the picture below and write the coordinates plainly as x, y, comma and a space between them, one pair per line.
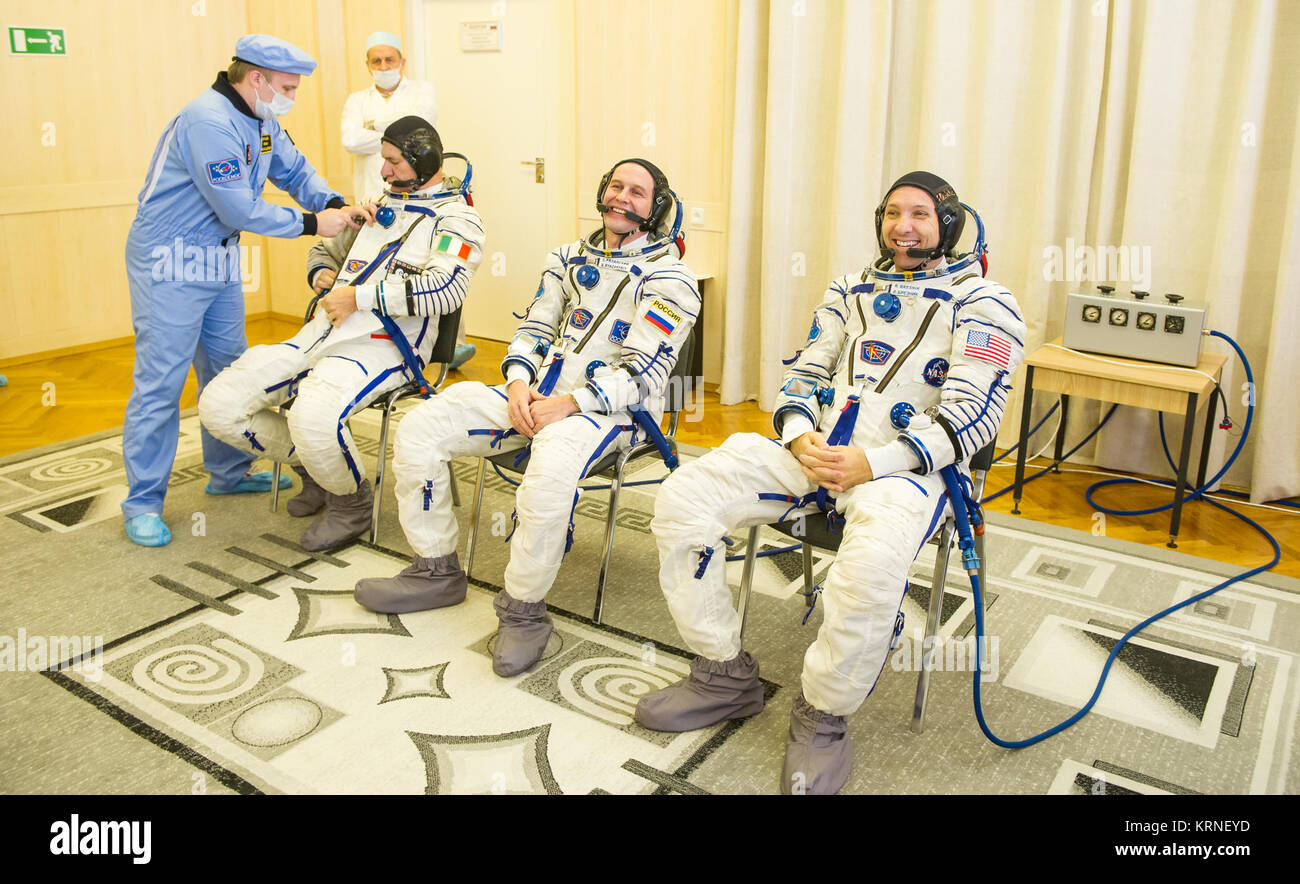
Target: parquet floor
66, 397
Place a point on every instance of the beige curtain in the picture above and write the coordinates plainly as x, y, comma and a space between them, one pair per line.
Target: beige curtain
1167, 126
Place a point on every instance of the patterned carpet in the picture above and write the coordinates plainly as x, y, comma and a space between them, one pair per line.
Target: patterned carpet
233, 661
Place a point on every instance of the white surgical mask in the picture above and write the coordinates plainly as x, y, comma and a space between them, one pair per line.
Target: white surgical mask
387, 79
278, 106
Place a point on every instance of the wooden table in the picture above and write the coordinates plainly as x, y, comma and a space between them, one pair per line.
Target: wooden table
1127, 382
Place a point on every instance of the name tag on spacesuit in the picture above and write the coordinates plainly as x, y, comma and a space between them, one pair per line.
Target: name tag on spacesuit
906, 289
614, 264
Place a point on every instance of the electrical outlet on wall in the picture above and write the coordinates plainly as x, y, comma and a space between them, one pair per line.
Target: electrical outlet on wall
697, 216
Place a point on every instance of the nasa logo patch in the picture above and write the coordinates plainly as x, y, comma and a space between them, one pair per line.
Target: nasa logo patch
225, 170
876, 352
592, 366
581, 319
618, 334
936, 372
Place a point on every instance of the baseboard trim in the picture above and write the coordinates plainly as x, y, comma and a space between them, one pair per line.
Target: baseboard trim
92, 346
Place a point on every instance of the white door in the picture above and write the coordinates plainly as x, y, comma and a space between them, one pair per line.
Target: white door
504, 110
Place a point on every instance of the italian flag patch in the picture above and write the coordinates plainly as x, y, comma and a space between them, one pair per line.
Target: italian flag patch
453, 245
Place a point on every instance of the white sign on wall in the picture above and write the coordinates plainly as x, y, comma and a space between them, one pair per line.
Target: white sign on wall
480, 36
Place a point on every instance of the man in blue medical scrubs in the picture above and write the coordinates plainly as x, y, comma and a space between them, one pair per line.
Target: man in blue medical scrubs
203, 187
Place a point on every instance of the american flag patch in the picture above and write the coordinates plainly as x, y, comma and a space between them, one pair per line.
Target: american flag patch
989, 347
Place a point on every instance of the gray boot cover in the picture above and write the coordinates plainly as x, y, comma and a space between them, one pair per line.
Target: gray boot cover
713, 692
525, 627
310, 499
818, 752
346, 516
427, 583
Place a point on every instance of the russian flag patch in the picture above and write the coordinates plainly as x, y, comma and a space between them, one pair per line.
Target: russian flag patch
662, 317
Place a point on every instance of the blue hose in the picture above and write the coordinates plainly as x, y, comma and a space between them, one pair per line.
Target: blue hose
971, 564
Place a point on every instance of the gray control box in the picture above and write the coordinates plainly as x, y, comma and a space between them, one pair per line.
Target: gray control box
1153, 328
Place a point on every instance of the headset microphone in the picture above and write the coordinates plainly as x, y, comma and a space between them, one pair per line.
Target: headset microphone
629, 215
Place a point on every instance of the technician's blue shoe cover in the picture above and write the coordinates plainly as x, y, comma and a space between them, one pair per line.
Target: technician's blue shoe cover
464, 353
251, 484
148, 529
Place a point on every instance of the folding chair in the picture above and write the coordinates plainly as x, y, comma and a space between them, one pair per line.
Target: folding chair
611, 467
444, 348
812, 532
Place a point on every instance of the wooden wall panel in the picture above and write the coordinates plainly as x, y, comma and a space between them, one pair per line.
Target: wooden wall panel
656, 79
133, 64
66, 206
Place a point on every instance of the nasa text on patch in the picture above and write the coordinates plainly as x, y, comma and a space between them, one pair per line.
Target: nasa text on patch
225, 170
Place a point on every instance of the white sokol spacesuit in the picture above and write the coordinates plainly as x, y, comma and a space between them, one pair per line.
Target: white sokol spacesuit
916, 373
606, 327
428, 256
598, 328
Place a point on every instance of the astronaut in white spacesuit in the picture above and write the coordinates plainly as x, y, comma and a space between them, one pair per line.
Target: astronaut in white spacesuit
383, 291
602, 333
906, 369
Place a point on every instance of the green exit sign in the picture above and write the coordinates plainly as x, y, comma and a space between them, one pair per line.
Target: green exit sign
37, 41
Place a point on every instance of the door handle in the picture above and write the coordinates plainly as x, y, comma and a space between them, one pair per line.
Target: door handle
539, 167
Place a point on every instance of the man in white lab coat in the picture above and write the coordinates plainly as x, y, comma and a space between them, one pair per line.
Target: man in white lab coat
391, 96
366, 114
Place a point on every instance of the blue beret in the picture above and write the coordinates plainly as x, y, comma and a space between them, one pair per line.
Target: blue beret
270, 52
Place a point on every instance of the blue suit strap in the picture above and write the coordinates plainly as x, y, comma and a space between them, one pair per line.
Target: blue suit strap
408, 355
654, 434
552, 376
840, 435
